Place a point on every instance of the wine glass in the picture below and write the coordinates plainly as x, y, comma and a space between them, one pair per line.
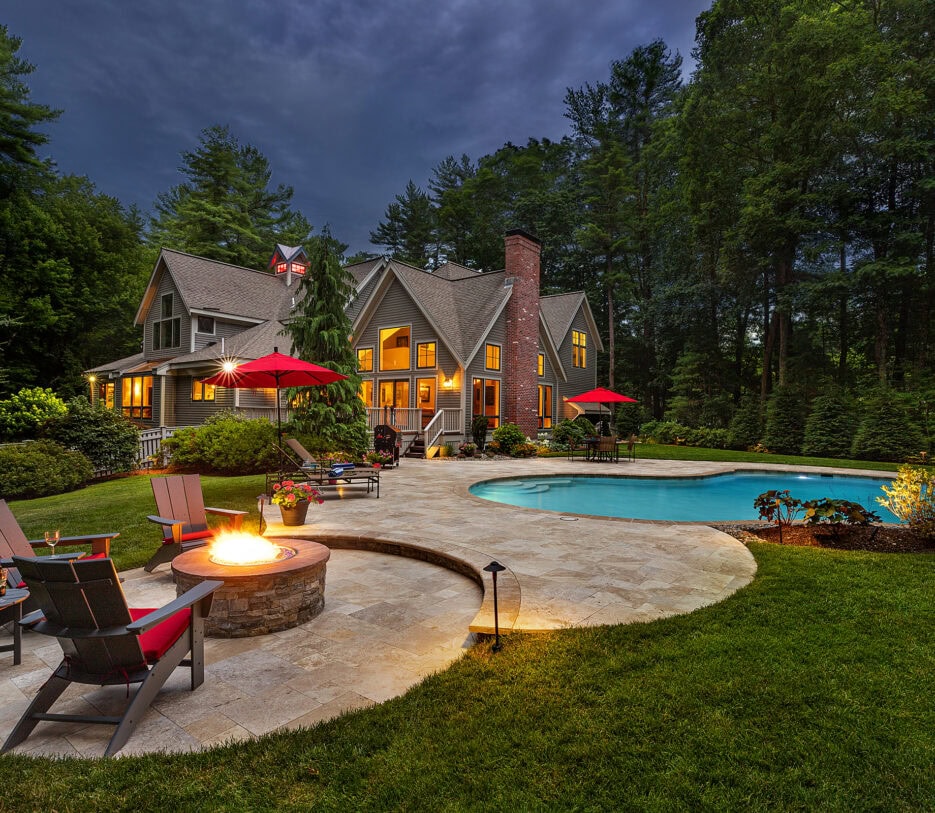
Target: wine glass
52, 538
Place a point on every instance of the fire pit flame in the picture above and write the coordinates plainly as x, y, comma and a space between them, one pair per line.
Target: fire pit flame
243, 550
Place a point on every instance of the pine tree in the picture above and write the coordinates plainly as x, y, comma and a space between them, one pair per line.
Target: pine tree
829, 430
333, 417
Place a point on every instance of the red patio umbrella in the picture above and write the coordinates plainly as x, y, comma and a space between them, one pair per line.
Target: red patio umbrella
601, 396
275, 370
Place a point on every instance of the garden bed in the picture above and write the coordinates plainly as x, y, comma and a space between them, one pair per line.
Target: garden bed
876, 539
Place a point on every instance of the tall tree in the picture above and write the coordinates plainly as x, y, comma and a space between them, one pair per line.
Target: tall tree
226, 209
408, 230
334, 416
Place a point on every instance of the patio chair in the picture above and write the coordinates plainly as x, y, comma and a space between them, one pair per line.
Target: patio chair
607, 449
107, 643
183, 517
13, 542
334, 474
305, 458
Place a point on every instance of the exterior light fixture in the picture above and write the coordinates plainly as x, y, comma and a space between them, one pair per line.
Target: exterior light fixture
448, 383
229, 366
493, 569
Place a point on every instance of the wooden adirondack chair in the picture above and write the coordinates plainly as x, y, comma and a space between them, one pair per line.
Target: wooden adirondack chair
107, 643
13, 542
183, 517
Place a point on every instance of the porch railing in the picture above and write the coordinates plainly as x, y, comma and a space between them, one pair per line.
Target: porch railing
406, 420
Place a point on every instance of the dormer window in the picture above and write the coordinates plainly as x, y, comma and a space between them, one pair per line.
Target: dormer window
206, 325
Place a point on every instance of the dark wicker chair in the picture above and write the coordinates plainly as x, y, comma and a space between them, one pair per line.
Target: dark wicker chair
105, 642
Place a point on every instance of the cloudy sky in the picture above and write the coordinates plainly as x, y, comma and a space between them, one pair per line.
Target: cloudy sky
348, 99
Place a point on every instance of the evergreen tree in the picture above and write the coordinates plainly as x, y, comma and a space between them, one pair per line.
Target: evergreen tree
746, 426
226, 210
785, 420
886, 431
829, 431
332, 417
409, 229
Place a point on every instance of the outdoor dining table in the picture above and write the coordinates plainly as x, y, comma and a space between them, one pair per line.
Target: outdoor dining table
11, 609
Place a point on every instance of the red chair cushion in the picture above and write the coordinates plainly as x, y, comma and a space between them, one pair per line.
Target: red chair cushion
154, 642
101, 555
167, 540
21, 586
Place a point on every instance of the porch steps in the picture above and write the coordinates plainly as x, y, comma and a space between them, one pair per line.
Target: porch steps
417, 449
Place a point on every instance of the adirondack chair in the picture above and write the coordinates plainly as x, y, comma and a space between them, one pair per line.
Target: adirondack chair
107, 643
13, 542
183, 517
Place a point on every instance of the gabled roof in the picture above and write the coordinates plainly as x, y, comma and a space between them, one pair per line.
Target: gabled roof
220, 288
558, 312
288, 252
461, 311
249, 344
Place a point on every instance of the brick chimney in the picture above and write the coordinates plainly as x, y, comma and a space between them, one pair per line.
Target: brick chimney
521, 379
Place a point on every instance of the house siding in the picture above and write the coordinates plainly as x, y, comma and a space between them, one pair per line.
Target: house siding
579, 379
190, 413
396, 310
477, 368
221, 330
166, 286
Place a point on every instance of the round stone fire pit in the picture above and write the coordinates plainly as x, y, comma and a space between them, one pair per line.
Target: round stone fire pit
261, 597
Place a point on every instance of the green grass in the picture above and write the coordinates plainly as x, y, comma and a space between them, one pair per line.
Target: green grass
809, 689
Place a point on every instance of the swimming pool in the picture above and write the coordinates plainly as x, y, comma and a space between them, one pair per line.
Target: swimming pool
716, 498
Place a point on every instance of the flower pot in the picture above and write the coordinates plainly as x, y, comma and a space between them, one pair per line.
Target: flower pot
295, 515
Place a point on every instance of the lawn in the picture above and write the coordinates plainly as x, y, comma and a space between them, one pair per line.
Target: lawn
809, 689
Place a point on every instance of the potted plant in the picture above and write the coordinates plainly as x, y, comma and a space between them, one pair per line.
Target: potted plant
293, 500
468, 449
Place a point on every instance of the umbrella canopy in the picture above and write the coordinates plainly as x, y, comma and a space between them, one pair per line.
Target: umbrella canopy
601, 396
275, 370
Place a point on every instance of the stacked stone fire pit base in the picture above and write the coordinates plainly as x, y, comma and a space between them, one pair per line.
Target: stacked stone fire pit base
260, 598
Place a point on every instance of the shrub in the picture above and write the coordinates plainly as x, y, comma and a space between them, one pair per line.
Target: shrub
525, 449
24, 414
225, 445
628, 419
886, 431
571, 432
785, 421
912, 498
829, 430
508, 435
479, 430
40, 468
746, 427
105, 437
777, 506
707, 438
837, 513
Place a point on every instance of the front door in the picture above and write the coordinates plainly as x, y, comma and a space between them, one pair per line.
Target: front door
426, 390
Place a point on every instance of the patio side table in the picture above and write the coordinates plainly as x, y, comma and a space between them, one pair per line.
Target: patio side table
11, 609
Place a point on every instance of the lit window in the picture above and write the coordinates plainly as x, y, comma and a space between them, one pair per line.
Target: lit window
365, 360
425, 354
106, 394
137, 397
579, 349
202, 391
545, 407
394, 348
486, 400
366, 392
297, 268
540, 364
492, 357
281, 268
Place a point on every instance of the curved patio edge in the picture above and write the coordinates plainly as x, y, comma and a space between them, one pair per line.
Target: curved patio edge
466, 561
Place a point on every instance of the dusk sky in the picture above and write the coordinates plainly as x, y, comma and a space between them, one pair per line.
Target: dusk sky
348, 99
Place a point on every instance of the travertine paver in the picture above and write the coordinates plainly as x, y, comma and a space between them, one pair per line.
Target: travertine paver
389, 620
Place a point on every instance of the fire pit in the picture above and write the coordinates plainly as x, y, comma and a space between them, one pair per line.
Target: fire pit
267, 586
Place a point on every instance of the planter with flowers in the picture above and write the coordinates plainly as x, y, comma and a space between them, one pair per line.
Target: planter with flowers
293, 500
468, 449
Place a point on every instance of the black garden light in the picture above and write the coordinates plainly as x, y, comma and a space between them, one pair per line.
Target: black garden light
494, 568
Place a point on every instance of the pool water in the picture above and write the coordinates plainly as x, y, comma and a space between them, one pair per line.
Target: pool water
717, 498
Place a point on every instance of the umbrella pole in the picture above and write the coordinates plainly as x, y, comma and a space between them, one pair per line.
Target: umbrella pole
279, 430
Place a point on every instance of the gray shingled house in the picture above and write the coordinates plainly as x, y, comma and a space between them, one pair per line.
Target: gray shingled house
433, 348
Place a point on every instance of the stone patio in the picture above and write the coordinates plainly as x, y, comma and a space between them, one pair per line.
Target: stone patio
390, 620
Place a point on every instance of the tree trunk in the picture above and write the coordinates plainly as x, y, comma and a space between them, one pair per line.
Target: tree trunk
843, 325
611, 360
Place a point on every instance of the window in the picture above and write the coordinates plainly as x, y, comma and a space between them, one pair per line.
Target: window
545, 406
579, 349
540, 364
425, 354
492, 357
167, 333
394, 394
426, 390
136, 400
105, 391
202, 391
206, 324
365, 360
166, 306
486, 400
366, 393
394, 348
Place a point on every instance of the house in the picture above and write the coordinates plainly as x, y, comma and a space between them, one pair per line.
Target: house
433, 348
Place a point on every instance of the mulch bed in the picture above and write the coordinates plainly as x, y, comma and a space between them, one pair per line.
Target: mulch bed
876, 539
